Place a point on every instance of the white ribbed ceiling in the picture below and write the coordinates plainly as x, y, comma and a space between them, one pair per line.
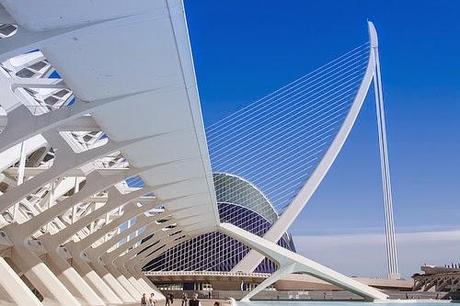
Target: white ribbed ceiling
139, 54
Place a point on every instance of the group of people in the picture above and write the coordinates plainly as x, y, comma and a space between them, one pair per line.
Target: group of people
194, 301
150, 301
185, 301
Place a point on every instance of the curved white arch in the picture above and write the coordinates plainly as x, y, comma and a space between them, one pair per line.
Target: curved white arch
252, 259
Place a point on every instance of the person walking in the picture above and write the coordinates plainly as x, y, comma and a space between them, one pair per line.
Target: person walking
168, 300
194, 301
143, 300
184, 299
152, 299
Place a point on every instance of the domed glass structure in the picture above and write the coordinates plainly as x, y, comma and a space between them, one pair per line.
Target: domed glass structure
239, 203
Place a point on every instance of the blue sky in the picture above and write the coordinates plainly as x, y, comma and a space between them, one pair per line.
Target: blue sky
244, 50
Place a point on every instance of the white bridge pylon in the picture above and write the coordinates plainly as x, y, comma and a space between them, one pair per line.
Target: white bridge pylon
290, 262
274, 234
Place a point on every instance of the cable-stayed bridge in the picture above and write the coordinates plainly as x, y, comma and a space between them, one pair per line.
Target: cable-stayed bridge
282, 140
264, 155
104, 160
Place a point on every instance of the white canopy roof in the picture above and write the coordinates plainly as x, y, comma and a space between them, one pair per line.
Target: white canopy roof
138, 54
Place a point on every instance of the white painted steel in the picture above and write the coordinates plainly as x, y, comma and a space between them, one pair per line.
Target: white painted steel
392, 258
130, 68
252, 259
148, 90
291, 262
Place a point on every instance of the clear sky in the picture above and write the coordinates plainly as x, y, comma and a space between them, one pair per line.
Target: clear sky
244, 50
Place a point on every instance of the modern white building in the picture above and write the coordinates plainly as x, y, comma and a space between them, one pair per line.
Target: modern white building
104, 160
240, 203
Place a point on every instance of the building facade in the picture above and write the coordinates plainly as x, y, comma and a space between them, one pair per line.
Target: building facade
240, 203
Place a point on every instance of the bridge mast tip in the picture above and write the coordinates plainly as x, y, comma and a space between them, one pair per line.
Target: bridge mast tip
373, 38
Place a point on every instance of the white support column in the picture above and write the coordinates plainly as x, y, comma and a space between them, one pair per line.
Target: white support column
133, 264
66, 159
36, 271
129, 212
146, 282
151, 228
17, 292
50, 203
282, 271
96, 282
95, 253
124, 282
290, 262
88, 274
74, 208
136, 284
67, 274
137, 276
95, 183
72, 280
114, 265
108, 258
20, 179
113, 283
392, 258
122, 260
53, 291
115, 199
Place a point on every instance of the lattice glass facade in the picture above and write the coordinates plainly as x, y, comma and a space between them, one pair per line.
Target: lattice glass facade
241, 204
